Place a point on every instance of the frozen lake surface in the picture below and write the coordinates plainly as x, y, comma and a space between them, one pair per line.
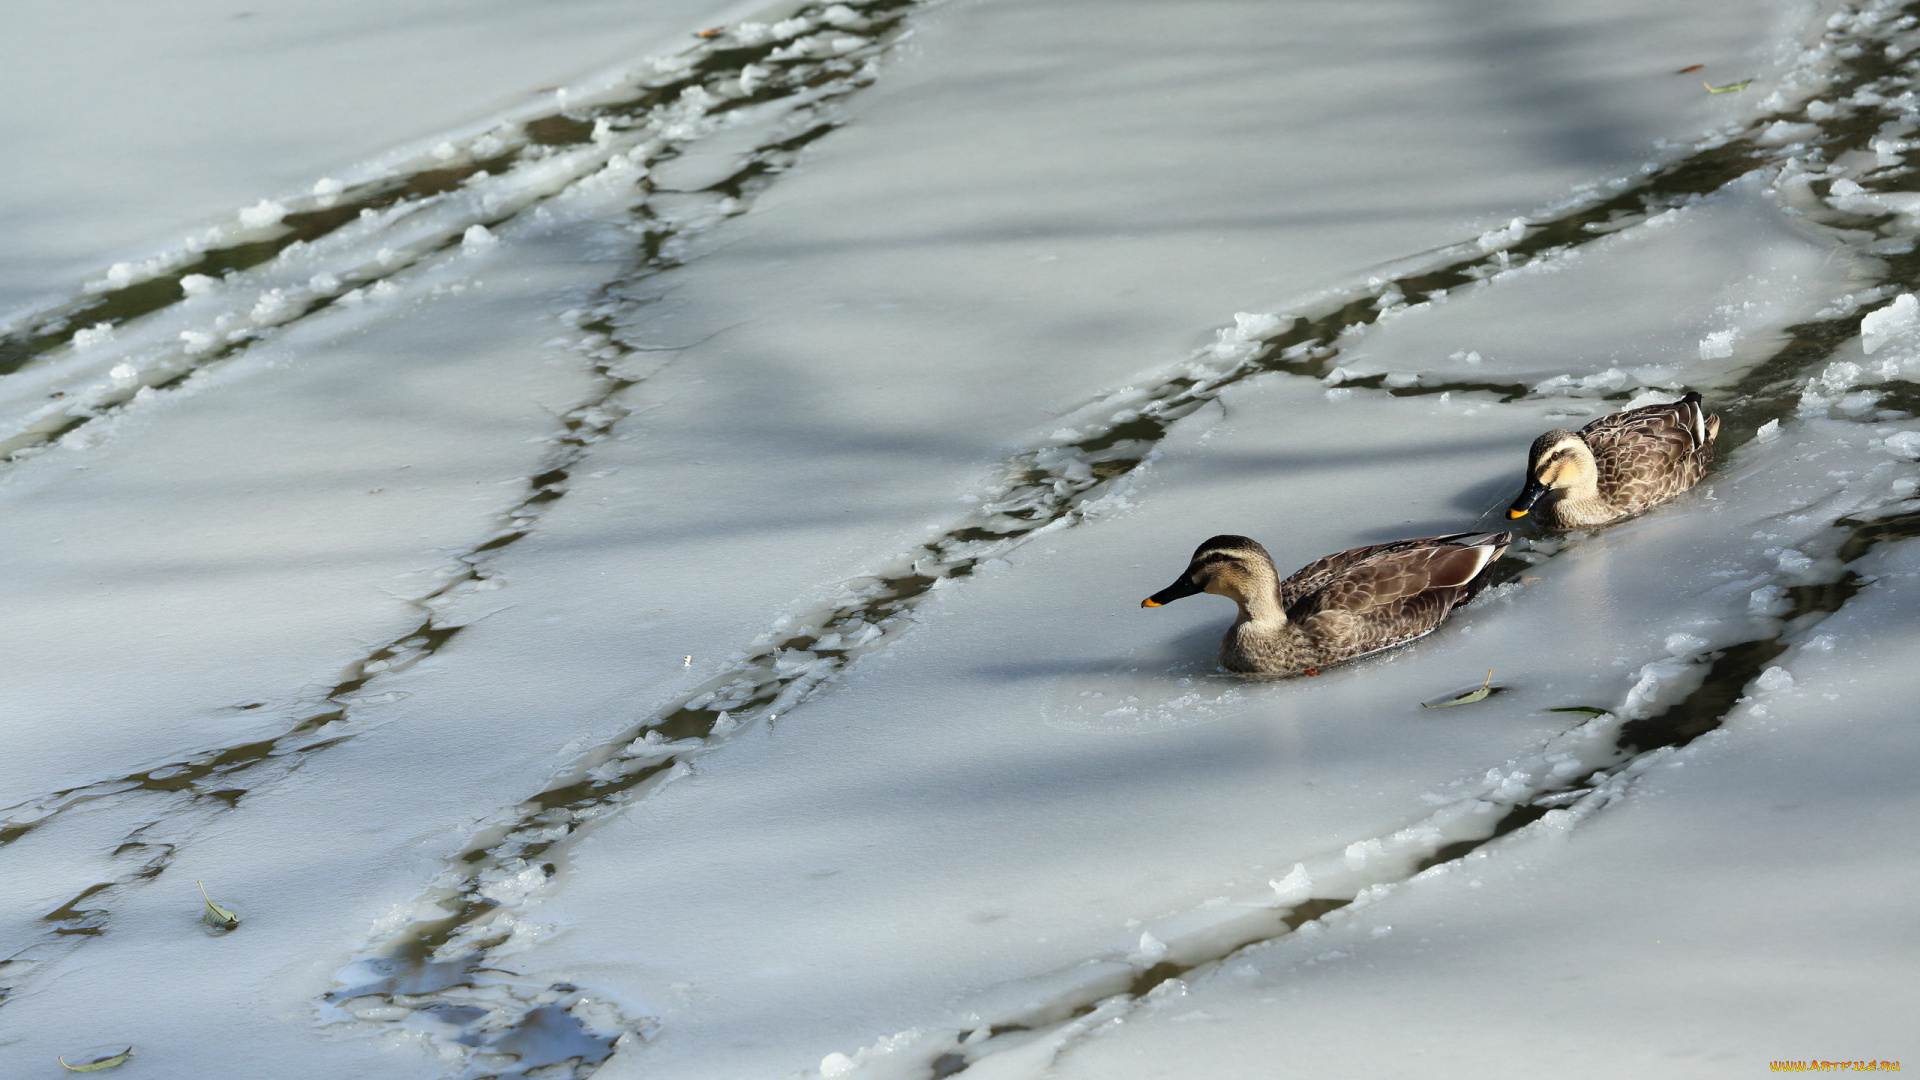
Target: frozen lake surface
617, 552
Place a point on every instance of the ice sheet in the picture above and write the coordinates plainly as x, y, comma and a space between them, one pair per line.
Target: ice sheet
1736, 273
1740, 904
1033, 209
135, 124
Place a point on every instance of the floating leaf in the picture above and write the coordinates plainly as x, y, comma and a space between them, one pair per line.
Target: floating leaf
1729, 88
99, 1063
1468, 698
1689, 70
1583, 710
215, 916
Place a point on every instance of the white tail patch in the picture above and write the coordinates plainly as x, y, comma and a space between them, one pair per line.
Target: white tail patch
1485, 554
1461, 565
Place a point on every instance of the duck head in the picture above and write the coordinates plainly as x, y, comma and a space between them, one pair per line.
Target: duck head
1560, 461
1231, 566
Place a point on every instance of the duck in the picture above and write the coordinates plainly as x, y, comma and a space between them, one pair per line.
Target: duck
1339, 608
1617, 466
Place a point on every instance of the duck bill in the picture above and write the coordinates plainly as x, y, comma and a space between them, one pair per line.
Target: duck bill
1173, 592
1528, 496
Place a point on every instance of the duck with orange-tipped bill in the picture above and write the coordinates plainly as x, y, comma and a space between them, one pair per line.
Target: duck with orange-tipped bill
1617, 466
1339, 608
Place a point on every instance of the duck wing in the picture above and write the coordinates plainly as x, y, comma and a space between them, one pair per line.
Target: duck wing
1364, 579
1648, 455
1321, 573
1393, 593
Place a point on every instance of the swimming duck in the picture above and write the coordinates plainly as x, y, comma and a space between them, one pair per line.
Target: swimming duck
1618, 465
1337, 608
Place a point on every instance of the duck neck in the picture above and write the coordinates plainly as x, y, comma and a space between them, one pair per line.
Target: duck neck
1263, 639
1261, 611
1582, 505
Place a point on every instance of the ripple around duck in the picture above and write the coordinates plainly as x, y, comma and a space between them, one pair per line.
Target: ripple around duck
1179, 684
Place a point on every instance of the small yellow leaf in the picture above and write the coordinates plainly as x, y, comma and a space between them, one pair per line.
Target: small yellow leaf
1727, 89
215, 915
1468, 698
99, 1063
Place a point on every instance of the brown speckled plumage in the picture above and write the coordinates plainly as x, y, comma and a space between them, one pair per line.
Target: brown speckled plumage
1619, 465
1336, 608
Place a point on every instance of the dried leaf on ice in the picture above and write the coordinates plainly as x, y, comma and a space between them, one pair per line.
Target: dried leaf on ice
215, 915
1729, 88
1583, 710
1467, 698
1690, 69
99, 1063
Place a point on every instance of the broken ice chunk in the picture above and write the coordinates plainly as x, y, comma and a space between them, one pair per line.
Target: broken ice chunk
1903, 444
1879, 327
1717, 345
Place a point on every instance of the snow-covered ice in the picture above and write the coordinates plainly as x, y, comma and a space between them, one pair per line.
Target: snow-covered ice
132, 124
636, 573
